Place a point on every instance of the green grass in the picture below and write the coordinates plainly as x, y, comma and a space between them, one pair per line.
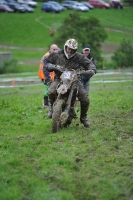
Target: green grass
117, 36
22, 30
76, 163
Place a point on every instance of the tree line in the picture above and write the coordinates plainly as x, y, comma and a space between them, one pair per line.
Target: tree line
92, 33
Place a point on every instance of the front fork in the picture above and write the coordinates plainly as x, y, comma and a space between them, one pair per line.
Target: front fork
65, 114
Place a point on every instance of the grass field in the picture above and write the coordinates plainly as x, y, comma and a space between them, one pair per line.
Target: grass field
76, 163
32, 31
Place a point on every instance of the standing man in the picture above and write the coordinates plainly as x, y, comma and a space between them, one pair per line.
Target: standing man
69, 58
85, 78
52, 32
45, 76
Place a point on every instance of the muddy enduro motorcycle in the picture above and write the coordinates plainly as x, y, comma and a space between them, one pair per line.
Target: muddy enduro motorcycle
66, 91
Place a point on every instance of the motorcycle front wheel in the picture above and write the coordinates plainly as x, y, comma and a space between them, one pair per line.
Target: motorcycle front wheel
57, 110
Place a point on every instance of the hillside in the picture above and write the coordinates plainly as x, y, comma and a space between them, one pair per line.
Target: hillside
31, 31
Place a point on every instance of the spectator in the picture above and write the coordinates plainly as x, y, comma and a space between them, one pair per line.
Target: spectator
45, 76
51, 32
85, 78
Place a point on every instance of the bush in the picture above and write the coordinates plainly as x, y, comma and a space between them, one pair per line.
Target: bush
94, 37
9, 67
123, 56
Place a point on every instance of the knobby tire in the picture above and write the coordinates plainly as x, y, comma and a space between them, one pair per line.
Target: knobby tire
57, 110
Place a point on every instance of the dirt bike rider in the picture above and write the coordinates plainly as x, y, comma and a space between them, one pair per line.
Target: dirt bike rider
69, 59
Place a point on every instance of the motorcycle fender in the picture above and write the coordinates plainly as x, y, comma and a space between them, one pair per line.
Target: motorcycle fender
62, 89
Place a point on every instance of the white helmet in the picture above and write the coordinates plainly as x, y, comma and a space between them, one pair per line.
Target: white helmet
72, 44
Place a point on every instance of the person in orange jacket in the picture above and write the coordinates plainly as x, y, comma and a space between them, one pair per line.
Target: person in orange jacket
45, 76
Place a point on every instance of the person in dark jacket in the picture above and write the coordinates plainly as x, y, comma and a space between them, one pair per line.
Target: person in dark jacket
85, 79
69, 58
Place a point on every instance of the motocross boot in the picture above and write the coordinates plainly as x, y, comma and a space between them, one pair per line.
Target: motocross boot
83, 116
50, 112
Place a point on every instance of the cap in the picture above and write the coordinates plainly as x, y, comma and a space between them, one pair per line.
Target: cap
86, 48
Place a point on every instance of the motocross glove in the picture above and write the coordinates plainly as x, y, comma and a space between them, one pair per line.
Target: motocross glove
50, 67
55, 68
57, 71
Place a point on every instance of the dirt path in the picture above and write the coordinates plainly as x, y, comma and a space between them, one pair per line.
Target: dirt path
34, 80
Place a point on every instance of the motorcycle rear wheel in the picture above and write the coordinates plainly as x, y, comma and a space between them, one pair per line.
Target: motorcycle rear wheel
57, 110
